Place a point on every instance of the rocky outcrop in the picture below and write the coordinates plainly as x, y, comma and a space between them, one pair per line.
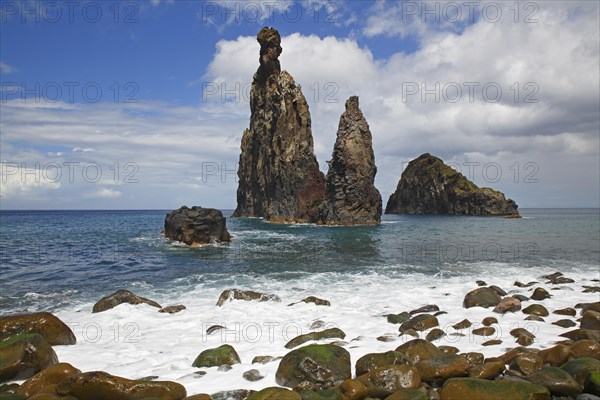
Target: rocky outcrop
24, 355
279, 176
246, 295
350, 196
428, 186
196, 226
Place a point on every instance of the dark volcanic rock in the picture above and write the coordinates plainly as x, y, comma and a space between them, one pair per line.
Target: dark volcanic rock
196, 226
119, 297
279, 176
428, 186
350, 196
246, 295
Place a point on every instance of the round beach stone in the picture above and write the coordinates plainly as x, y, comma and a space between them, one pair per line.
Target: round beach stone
586, 348
481, 297
45, 324
420, 323
536, 309
321, 365
508, 304
222, 355
481, 389
442, 368
540, 294
49, 376
384, 381
558, 382
370, 361
24, 355
487, 370
417, 350
579, 368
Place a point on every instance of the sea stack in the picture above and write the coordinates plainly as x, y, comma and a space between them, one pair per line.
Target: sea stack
350, 195
279, 176
428, 186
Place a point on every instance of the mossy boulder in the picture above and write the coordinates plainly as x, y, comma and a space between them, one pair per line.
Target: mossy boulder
481, 297
329, 394
398, 318
536, 309
326, 334
481, 389
101, 385
323, 366
586, 348
22, 356
580, 368
275, 393
558, 381
45, 324
591, 320
222, 355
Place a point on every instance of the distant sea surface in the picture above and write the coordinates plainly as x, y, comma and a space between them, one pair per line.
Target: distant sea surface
54, 259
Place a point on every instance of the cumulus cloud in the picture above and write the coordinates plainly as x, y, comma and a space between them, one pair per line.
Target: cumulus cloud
18, 180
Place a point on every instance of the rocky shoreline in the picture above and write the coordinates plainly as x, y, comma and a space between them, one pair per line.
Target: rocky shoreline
427, 364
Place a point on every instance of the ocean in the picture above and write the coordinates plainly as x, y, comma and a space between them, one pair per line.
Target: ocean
64, 261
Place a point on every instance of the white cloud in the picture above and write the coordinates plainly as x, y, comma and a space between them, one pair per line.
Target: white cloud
32, 182
6, 69
105, 193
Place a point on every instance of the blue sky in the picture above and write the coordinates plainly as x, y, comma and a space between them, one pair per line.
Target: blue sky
120, 105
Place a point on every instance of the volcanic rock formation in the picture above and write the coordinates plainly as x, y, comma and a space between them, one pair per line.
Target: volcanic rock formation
350, 196
428, 186
196, 226
279, 177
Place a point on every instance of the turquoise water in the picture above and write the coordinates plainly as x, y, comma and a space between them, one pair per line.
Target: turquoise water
51, 259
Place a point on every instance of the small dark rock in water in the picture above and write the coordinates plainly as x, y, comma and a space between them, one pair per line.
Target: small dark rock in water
222, 355
196, 226
591, 289
561, 280
465, 323
264, 359
312, 299
583, 334
480, 283
488, 370
252, 375
449, 350
246, 295
487, 321
441, 368
317, 325
385, 338
224, 368
553, 276
566, 311
119, 297
493, 342
524, 285
45, 324
410, 332
536, 309
484, 331
435, 334
565, 323
440, 313
428, 186
398, 318
214, 328
371, 361
473, 358
527, 363
425, 309
482, 297
540, 294
172, 309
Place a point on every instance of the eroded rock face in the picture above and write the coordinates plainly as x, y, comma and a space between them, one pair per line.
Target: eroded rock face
279, 176
196, 226
119, 297
428, 186
350, 196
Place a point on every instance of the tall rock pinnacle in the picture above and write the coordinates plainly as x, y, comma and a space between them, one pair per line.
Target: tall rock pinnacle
279, 177
351, 197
